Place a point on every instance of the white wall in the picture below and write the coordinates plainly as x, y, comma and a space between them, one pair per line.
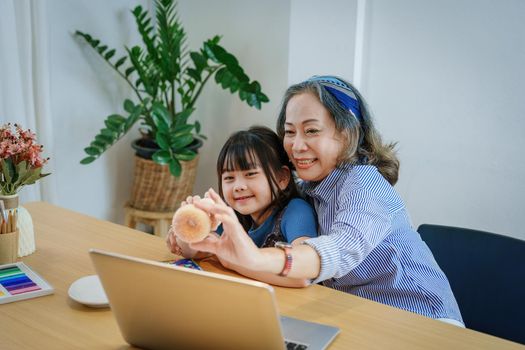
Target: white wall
445, 79
256, 32
84, 90
322, 38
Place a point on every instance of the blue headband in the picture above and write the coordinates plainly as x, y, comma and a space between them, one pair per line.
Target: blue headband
342, 92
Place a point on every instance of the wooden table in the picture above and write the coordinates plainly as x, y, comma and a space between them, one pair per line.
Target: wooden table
63, 238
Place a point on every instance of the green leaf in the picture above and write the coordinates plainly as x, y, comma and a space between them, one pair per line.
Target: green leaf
161, 117
128, 106
243, 95
194, 74
225, 79
109, 54
253, 101
99, 144
175, 167
197, 127
215, 40
21, 169
220, 74
117, 118
185, 155
162, 140
133, 117
87, 160
32, 176
105, 139
92, 151
182, 129
121, 61
262, 97
209, 51
129, 71
161, 157
181, 141
234, 85
182, 117
227, 58
102, 48
238, 72
8, 169
198, 60
112, 125
109, 132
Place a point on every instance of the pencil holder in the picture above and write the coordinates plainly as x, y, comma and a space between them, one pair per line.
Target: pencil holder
8, 247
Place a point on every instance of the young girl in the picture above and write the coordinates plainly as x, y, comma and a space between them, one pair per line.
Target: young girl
255, 181
366, 245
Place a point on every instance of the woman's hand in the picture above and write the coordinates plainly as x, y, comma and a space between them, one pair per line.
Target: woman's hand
234, 247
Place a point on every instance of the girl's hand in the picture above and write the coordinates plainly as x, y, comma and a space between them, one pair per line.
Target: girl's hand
234, 247
171, 242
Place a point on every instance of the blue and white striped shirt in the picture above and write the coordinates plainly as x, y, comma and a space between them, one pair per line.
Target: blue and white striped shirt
369, 248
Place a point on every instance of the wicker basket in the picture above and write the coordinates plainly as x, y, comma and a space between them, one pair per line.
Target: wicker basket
155, 189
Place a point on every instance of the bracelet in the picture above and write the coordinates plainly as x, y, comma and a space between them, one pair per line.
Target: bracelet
288, 259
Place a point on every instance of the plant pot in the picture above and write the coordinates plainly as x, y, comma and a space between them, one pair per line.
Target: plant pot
145, 147
154, 187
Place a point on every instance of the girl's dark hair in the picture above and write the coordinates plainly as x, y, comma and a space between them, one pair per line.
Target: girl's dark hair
363, 144
257, 146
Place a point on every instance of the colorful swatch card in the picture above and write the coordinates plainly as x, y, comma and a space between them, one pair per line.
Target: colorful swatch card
188, 263
18, 282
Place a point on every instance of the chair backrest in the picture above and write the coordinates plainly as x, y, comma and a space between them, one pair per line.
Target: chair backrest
487, 274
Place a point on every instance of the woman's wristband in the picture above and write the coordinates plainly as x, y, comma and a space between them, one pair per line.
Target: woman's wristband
288, 258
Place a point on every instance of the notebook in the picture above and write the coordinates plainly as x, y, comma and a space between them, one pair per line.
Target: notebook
162, 306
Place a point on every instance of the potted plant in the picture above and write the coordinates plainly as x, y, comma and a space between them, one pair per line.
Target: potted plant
167, 79
21, 164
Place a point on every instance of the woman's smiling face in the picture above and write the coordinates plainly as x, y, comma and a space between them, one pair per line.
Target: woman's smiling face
310, 138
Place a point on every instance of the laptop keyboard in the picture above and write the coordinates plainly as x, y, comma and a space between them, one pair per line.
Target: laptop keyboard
290, 345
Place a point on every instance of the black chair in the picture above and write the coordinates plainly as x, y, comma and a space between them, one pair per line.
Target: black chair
487, 274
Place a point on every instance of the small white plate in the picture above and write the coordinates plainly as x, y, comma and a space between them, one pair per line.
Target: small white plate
88, 291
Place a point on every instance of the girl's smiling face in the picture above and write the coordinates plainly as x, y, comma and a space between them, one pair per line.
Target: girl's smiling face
310, 138
247, 192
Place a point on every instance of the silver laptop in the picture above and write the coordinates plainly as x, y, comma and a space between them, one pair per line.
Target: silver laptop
162, 306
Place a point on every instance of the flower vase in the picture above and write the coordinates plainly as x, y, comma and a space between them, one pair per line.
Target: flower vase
24, 223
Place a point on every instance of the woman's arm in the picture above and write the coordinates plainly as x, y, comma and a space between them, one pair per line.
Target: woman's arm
273, 278
236, 250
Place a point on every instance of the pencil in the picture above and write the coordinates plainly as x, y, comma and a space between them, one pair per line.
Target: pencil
10, 221
4, 227
1, 226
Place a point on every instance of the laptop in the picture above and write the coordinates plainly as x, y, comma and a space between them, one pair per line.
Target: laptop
162, 306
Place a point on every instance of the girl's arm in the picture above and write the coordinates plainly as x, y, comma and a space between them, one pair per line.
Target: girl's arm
183, 249
236, 250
